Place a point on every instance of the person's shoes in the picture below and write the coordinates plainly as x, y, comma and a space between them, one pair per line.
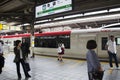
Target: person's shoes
0, 72
61, 60
118, 68
19, 78
28, 76
111, 68
58, 59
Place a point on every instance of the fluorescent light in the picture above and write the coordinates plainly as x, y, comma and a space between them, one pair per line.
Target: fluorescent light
114, 10
41, 21
12, 23
96, 12
72, 16
82, 20
91, 19
26, 24
58, 18
3, 22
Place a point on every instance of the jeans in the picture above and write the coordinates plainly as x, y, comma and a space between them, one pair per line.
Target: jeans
111, 56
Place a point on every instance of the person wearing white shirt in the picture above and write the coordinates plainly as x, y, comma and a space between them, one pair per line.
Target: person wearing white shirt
111, 48
61, 50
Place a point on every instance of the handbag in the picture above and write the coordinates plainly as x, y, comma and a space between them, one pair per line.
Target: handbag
27, 66
98, 75
15, 60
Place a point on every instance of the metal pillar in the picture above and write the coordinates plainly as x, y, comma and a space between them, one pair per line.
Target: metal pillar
32, 32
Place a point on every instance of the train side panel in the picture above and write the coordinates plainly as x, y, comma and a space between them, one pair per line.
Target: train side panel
78, 44
50, 41
77, 49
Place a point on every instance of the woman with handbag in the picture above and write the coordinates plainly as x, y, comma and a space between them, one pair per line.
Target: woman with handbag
20, 57
95, 71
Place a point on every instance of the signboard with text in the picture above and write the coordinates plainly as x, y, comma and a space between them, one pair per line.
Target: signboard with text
53, 7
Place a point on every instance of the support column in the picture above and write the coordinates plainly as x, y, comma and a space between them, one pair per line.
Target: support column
32, 31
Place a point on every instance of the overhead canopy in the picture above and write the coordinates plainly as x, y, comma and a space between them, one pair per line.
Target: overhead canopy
22, 11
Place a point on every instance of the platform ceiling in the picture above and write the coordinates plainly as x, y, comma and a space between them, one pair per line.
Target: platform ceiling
22, 11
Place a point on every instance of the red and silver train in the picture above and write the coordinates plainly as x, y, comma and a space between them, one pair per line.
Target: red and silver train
46, 43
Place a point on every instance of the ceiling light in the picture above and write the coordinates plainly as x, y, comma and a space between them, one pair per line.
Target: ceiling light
26, 24
41, 21
72, 16
114, 10
58, 18
82, 20
12, 23
3, 22
95, 12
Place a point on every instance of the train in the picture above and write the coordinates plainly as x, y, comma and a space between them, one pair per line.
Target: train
46, 43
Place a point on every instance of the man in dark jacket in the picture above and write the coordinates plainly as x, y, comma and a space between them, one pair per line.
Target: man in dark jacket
25, 46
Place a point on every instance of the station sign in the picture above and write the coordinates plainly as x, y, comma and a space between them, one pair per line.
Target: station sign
53, 7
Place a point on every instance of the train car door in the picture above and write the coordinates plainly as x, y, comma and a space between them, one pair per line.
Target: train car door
81, 43
101, 41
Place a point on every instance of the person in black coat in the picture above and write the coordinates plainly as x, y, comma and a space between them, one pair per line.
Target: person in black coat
20, 58
2, 59
25, 46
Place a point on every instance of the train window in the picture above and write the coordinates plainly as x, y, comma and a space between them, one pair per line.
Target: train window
65, 40
104, 41
52, 41
117, 40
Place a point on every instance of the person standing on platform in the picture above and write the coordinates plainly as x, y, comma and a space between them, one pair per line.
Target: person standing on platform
25, 47
20, 58
1, 56
93, 64
111, 49
61, 50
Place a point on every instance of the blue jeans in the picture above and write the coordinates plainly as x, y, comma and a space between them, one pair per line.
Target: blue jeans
111, 56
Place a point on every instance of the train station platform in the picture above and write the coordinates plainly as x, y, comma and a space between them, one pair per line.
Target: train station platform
48, 68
